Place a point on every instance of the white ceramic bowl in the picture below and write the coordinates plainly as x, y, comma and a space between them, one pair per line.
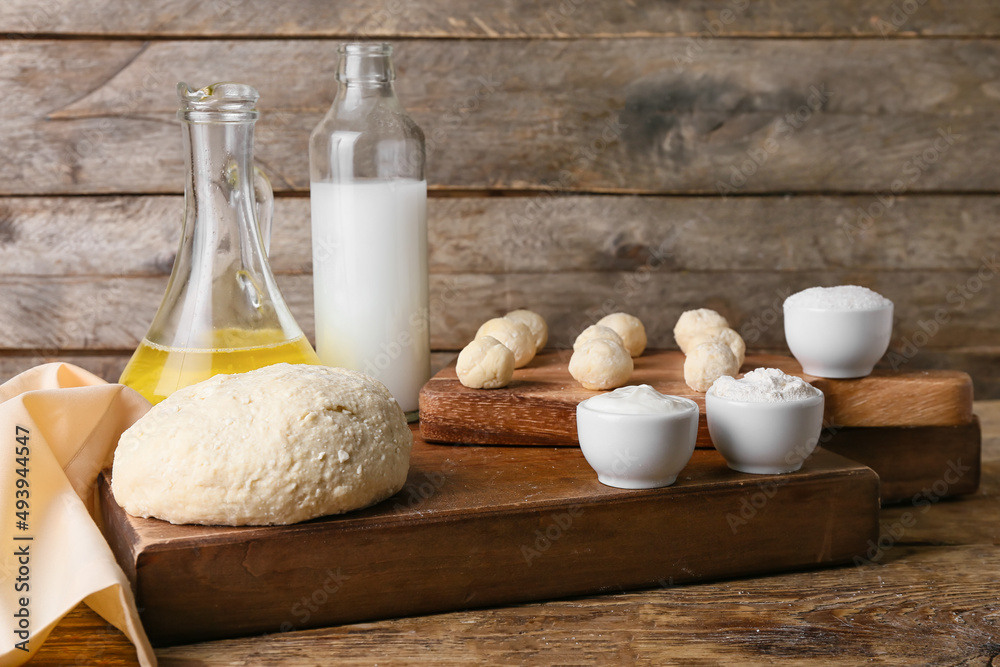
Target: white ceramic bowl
637, 451
838, 343
764, 438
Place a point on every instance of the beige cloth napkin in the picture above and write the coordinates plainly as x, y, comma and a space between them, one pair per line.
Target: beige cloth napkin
69, 421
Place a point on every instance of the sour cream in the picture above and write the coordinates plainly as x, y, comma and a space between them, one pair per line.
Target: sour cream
636, 437
638, 400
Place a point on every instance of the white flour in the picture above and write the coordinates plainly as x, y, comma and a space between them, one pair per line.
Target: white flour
764, 385
842, 297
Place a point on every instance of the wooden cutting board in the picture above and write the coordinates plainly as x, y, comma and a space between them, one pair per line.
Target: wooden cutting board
911, 428
539, 406
484, 526
917, 464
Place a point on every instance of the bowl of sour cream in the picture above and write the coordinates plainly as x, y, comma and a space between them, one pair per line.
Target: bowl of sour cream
637, 438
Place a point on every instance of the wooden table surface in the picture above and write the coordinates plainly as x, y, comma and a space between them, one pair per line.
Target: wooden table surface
930, 596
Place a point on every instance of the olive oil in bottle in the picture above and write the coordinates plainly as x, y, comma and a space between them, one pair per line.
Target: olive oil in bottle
156, 371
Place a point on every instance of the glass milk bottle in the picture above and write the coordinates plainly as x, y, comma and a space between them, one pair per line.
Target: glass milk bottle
369, 229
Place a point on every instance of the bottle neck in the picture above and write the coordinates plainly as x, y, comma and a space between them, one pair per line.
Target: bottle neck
220, 282
219, 172
221, 262
217, 124
366, 64
364, 78
366, 134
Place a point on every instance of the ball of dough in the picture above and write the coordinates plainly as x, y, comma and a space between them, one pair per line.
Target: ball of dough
535, 323
516, 336
630, 328
485, 363
706, 363
595, 331
274, 446
693, 322
728, 337
601, 364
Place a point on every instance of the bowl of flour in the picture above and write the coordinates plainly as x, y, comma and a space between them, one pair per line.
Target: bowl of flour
766, 422
838, 332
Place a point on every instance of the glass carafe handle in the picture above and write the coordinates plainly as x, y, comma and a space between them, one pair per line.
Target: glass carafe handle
264, 195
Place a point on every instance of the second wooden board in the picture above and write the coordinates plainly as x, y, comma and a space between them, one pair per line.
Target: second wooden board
918, 465
539, 405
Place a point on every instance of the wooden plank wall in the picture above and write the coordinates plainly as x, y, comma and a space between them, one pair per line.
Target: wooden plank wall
585, 157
